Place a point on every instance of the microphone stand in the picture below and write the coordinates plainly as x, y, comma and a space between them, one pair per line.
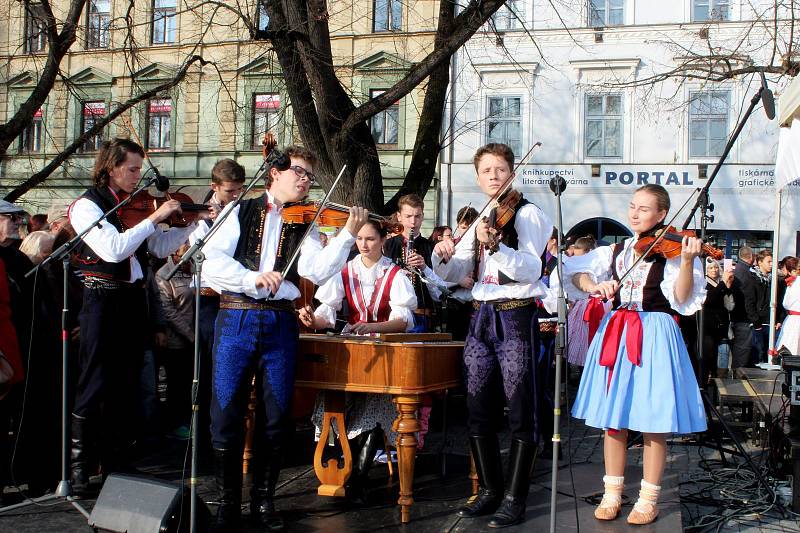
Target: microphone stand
64, 488
557, 185
196, 256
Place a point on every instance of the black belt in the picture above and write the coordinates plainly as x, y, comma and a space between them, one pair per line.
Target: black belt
505, 305
91, 282
238, 301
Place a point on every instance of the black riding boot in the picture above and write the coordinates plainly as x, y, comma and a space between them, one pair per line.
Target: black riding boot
80, 441
512, 509
228, 476
486, 454
267, 463
371, 441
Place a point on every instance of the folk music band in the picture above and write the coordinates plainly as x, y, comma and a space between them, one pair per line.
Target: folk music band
637, 372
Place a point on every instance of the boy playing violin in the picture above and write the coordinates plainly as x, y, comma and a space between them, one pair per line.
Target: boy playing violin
257, 331
111, 350
503, 336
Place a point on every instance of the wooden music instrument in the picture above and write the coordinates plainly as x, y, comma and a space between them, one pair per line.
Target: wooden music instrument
387, 365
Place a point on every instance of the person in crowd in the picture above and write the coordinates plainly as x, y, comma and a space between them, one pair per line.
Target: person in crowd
789, 336
741, 322
440, 233
323, 239
227, 183
716, 321
503, 337
113, 260
585, 312
464, 219
380, 299
57, 216
416, 255
756, 300
37, 222
37, 245
638, 376
177, 303
788, 266
257, 330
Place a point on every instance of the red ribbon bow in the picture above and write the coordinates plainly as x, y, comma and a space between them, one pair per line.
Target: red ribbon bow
593, 315
613, 337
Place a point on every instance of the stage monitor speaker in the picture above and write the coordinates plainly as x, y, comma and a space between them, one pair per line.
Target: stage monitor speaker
136, 504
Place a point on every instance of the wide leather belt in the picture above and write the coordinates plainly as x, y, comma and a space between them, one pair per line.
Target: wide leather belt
238, 301
505, 305
424, 312
208, 291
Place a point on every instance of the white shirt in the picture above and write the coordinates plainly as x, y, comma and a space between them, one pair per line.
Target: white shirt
402, 300
523, 265
114, 247
597, 264
317, 264
202, 230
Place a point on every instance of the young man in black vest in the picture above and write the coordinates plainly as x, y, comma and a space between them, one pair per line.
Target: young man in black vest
417, 255
114, 316
503, 337
257, 330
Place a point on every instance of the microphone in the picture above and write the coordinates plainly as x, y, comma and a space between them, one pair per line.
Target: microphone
767, 98
161, 182
558, 184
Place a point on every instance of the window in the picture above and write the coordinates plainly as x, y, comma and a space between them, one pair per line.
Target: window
158, 123
91, 113
384, 124
265, 116
387, 15
708, 123
98, 23
31, 138
508, 16
603, 137
262, 16
505, 121
606, 13
163, 21
710, 10
35, 30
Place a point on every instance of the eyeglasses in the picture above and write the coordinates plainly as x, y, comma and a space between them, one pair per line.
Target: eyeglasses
15, 217
301, 173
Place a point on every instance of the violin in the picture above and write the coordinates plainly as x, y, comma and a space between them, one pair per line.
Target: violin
145, 204
335, 215
671, 244
504, 211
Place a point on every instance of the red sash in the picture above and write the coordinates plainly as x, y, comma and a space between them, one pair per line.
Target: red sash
794, 312
613, 338
593, 315
378, 309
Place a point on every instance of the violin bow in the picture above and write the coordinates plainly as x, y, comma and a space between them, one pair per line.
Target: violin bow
296, 253
655, 242
506, 186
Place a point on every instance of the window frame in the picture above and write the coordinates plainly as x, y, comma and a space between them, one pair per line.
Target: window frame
712, 7
256, 137
604, 117
383, 116
505, 119
31, 21
261, 12
394, 21
607, 9
161, 115
34, 132
98, 38
165, 20
507, 11
708, 117
93, 143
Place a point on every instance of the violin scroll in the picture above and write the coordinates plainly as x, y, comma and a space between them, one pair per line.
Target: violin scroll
274, 157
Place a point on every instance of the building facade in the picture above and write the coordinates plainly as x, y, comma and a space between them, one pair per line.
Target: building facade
587, 81
218, 111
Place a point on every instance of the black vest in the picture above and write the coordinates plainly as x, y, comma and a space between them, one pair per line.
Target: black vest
652, 297
89, 262
395, 250
252, 214
510, 238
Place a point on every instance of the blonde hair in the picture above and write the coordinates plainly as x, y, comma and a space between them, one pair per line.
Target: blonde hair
37, 245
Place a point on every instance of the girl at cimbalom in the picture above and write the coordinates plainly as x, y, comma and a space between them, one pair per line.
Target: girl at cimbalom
638, 375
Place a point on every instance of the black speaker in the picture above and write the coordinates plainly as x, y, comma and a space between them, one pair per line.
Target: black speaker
136, 504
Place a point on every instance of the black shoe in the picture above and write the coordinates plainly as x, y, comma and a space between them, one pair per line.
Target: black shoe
79, 457
264, 514
486, 454
512, 508
228, 477
363, 457
267, 461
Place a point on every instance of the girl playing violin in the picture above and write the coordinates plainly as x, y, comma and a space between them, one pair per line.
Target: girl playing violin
638, 375
380, 299
112, 258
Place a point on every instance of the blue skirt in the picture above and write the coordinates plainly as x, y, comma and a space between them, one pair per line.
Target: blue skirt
660, 396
